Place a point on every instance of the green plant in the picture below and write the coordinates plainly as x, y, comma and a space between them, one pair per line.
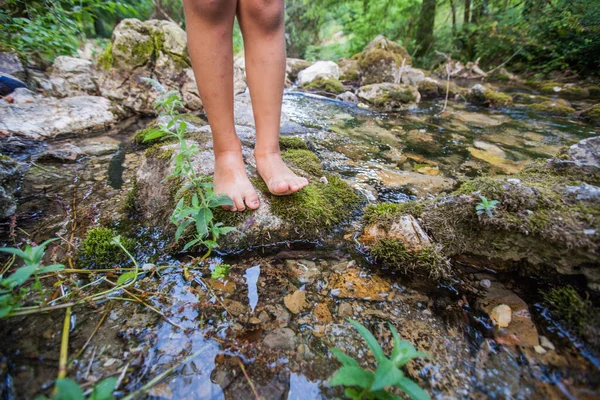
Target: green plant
220, 271
194, 210
68, 389
99, 249
11, 290
486, 206
365, 384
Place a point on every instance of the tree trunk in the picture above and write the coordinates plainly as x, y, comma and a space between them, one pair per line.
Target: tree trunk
453, 8
425, 28
467, 14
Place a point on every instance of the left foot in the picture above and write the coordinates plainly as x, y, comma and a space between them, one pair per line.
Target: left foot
279, 178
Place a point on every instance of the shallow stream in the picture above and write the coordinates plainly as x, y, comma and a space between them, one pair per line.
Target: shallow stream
247, 340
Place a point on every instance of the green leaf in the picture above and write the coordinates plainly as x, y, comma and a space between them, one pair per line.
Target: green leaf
190, 244
345, 359
103, 390
203, 218
51, 268
68, 390
222, 200
153, 134
125, 277
383, 395
352, 376
195, 201
20, 276
412, 389
12, 250
386, 374
370, 339
5, 311
181, 228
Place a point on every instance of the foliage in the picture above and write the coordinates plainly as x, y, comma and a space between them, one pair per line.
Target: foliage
220, 271
11, 290
486, 206
197, 211
45, 29
365, 384
566, 304
68, 389
99, 249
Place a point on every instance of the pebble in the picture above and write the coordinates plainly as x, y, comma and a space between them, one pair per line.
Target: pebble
345, 310
539, 349
295, 302
546, 343
486, 283
281, 339
501, 315
322, 313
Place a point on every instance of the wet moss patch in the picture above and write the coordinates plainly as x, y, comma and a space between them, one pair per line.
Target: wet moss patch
97, 249
427, 261
558, 107
305, 160
592, 114
105, 59
330, 85
292, 142
386, 213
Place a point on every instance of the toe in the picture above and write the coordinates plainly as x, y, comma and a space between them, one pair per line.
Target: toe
279, 187
251, 199
238, 202
298, 183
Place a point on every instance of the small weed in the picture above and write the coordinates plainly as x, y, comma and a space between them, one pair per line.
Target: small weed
199, 213
11, 290
220, 271
486, 206
68, 389
365, 384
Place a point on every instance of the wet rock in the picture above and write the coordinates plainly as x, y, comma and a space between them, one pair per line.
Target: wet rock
99, 146
348, 69
511, 315
592, 114
494, 155
347, 97
64, 152
356, 284
282, 317
322, 313
320, 69
484, 96
345, 310
586, 152
293, 66
419, 184
296, 301
37, 118
328, 85
308, 214
501, 315
305, 271
539, 225
546, 343
382, 61
235, 308
280, 339
556, 107
10, 177
412, 76
72, 76
10, 64
389, 96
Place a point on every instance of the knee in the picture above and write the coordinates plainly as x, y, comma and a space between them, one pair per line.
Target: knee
210, 10
268, 15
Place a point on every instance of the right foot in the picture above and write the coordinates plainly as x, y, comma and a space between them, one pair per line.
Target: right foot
231, 179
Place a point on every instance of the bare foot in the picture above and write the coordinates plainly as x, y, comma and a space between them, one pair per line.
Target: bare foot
279, 178
231, 179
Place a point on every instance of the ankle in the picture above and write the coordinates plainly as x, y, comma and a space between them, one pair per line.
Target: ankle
267, 153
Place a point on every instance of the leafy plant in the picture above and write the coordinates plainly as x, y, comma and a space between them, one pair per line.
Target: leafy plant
200, 196
220, 271
68, 389
365, 384
486, 206
11, 291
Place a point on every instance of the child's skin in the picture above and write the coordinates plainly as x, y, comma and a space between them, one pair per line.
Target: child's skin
209, 29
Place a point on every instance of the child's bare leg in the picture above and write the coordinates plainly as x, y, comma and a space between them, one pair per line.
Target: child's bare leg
209, 30
262, 25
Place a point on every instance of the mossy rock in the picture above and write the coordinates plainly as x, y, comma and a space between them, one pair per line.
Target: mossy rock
556, 107
292, 142
429, 89
329, 85
592, 114
305, 160
488, 97
381, 60
98, 250
386, 213
389, 96
105, 59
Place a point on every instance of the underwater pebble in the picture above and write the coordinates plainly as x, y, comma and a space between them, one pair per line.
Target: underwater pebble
539, 349
485, 283
501, 315
281, 338
546, 343
295, 302
345, 310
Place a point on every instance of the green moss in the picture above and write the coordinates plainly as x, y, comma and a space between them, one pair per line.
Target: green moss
292, 142
386, 213
159, 151
391, 98
330, 85
350, 75
567, 305
105, 59
318, 207
193, 119
429, 89
574, 92
497, 99
592, 114
594, 91
97, 249
139, 136
131, 206
394, 253
306, 160
548, 87
559, 107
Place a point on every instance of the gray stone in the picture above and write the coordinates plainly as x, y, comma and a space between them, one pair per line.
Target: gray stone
37, 118
10, 176
320, 69
586, 152
12, 65
281, 339
72, 76
347, 97
389, 96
